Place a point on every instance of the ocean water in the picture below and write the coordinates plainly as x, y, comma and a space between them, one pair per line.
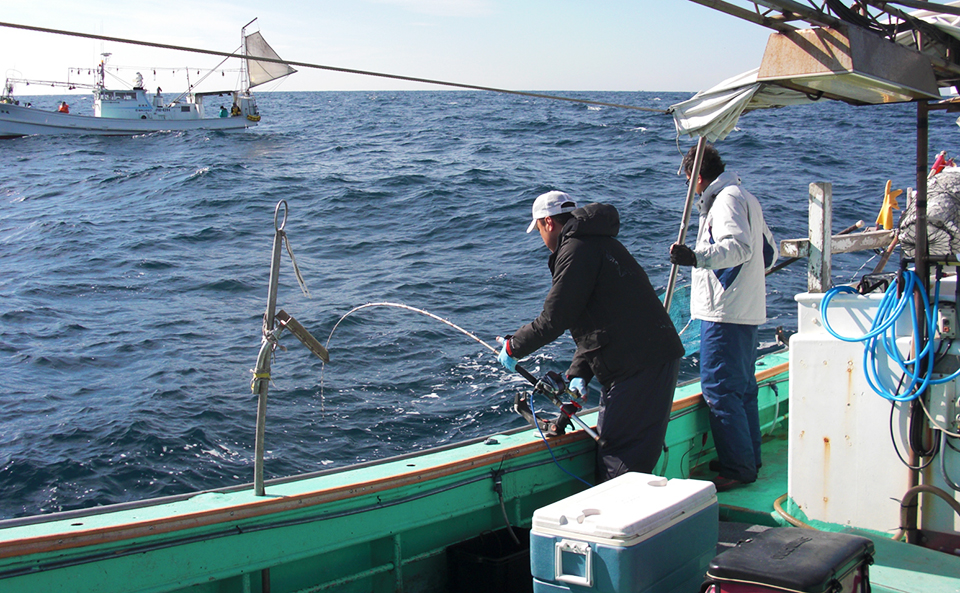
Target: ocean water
134, 271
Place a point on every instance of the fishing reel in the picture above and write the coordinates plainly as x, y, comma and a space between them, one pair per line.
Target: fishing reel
553, 386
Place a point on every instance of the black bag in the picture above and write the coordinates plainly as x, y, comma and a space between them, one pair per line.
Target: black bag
792, 559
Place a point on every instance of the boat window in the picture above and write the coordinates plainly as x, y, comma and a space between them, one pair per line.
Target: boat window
184, 108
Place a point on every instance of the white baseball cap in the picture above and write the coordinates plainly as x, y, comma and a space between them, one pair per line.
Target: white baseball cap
550, 204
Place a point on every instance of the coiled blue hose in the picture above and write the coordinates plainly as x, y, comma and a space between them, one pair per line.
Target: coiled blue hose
919, 370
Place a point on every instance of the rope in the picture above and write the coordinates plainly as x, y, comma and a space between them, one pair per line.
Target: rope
296, 269
322, 67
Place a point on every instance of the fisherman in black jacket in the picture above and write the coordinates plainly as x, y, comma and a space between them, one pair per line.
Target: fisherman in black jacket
624, 336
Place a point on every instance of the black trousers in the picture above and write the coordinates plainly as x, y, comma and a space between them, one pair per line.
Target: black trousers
634, 413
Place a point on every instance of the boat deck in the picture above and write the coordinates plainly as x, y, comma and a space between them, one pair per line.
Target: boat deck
897, 568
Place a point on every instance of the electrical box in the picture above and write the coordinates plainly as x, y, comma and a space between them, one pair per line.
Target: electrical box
947, 321
942, 404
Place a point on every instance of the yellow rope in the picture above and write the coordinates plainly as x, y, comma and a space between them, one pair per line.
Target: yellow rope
258, 377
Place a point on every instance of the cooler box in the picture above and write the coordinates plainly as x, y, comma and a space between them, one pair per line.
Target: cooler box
635, 533
797, 560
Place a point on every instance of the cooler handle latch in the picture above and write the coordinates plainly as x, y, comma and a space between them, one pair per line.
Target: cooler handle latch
574, 563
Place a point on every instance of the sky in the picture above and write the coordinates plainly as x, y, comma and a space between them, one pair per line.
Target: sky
529, 45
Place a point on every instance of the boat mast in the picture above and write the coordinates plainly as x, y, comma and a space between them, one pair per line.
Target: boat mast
244, 74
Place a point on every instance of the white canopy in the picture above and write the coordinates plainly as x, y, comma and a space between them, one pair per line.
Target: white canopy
714, 113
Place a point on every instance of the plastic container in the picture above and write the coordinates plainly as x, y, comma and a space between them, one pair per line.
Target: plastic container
636, 533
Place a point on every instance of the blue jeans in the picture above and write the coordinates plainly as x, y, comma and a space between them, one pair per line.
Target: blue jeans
728, 352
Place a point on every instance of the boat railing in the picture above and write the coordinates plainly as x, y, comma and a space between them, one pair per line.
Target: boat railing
820, 245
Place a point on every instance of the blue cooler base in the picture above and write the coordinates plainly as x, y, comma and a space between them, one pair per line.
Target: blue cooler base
672, 561
682, 583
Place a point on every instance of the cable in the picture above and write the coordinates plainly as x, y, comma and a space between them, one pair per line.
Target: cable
776, 409
498, 488
896, 449
916, 430
907, 501
949, 444
550, 449
322, 67
777, 506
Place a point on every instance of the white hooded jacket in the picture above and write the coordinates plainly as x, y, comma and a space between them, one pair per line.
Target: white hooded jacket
734, 248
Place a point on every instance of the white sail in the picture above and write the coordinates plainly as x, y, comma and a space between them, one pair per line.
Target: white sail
261, 72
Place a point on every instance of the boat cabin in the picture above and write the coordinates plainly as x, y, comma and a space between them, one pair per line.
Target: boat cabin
135, 104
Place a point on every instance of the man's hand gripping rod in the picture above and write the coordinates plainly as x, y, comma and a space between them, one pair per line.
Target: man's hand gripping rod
551, 391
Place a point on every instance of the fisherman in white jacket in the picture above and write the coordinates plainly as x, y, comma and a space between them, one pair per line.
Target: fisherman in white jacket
734, 249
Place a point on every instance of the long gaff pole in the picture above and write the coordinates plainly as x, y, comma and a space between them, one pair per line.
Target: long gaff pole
262, 372
687, 209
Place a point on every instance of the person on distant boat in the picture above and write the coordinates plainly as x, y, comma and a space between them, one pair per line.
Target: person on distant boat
223, 111
623, 334
235, 110
63, 108
734, 248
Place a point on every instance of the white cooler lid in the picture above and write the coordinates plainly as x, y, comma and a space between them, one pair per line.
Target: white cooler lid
627, 508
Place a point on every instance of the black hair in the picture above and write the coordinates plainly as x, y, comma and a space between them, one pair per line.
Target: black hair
562, 218
711, 167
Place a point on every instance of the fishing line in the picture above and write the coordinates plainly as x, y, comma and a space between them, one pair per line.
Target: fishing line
415, 310
459, 329
399, 306
329, 68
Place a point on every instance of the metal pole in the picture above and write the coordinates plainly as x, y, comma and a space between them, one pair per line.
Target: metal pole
921, 266
922, 257
687, 209
262, 372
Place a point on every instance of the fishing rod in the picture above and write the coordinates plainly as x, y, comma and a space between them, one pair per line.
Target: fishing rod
552, 385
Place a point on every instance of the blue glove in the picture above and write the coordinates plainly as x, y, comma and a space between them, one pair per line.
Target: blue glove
578, 386
505, 359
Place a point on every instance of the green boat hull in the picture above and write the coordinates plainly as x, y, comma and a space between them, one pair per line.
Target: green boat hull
382, 526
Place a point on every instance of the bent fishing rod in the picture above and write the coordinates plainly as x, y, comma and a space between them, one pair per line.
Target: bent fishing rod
551, 388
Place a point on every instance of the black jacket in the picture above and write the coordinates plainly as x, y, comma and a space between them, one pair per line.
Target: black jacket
603, 296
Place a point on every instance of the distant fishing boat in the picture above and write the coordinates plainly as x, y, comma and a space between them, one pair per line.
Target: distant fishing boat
125, 112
